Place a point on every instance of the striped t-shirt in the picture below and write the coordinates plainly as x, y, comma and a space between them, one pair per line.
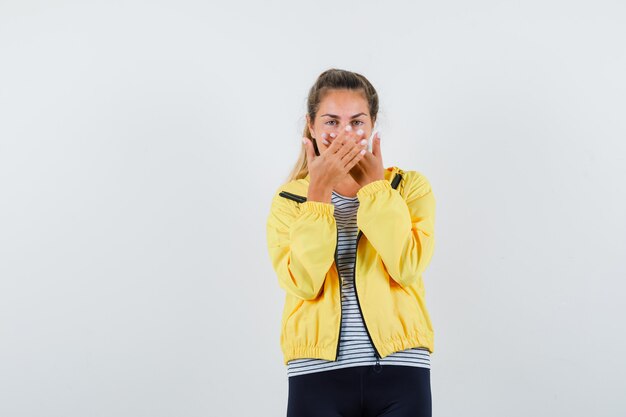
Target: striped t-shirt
355, 347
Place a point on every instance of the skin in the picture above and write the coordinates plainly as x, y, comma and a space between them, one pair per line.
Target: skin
340, 128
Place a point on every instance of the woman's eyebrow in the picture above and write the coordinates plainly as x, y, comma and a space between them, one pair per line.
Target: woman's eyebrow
337, 117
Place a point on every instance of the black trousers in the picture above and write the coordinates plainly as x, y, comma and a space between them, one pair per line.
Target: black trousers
361, 391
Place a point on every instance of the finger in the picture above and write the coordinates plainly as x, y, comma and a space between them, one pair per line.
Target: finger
360, 133
310, 152
351, 133
338, 135
346, 132
336, 144
355, 135
356, 149
328, 138
376, 146
355, 159
347, 146
361, 144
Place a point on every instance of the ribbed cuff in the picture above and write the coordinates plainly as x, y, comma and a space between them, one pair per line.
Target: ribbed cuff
318, 207
372, 187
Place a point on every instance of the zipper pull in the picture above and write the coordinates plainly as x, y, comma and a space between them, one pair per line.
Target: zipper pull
378, 367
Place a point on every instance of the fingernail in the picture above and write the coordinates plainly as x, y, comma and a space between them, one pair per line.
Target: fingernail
332, 135
348, 128
359, 132
325, 142
364, 142
362, 151
324, 135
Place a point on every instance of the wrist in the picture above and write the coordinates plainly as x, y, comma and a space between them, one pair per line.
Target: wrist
371, 180
319, 192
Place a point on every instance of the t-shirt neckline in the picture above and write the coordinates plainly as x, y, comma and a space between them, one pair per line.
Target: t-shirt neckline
344, 197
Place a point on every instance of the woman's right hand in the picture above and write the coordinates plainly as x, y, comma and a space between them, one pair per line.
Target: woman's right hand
332, 165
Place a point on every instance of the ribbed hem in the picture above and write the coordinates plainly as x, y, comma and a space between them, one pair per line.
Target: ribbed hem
318, 207
423, 338
290, 352
374, 186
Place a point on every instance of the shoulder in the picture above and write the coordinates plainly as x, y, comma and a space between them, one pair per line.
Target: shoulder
299, 186
413, 184
287, 198
296, 189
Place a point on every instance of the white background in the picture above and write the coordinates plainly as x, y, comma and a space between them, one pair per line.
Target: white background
141, 142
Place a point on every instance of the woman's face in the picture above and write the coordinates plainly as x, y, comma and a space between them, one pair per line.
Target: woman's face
338, 109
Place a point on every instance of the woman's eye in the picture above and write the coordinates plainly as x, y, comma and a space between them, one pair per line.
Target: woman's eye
354, 122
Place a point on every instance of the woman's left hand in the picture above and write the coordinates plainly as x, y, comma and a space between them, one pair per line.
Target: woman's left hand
370, 168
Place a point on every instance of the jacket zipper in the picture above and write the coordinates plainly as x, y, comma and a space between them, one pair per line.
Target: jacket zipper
359, 304
302, 199
340, 296
394, 184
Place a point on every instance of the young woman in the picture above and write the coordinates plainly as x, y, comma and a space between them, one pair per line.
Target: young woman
349, 240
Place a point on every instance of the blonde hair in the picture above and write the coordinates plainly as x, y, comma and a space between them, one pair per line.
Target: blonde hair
331, 79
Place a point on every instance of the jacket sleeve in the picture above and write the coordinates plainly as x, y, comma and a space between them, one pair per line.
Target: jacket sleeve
301, 239
401, 230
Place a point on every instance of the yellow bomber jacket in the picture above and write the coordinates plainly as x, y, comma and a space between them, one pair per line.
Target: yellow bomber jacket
395, 243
